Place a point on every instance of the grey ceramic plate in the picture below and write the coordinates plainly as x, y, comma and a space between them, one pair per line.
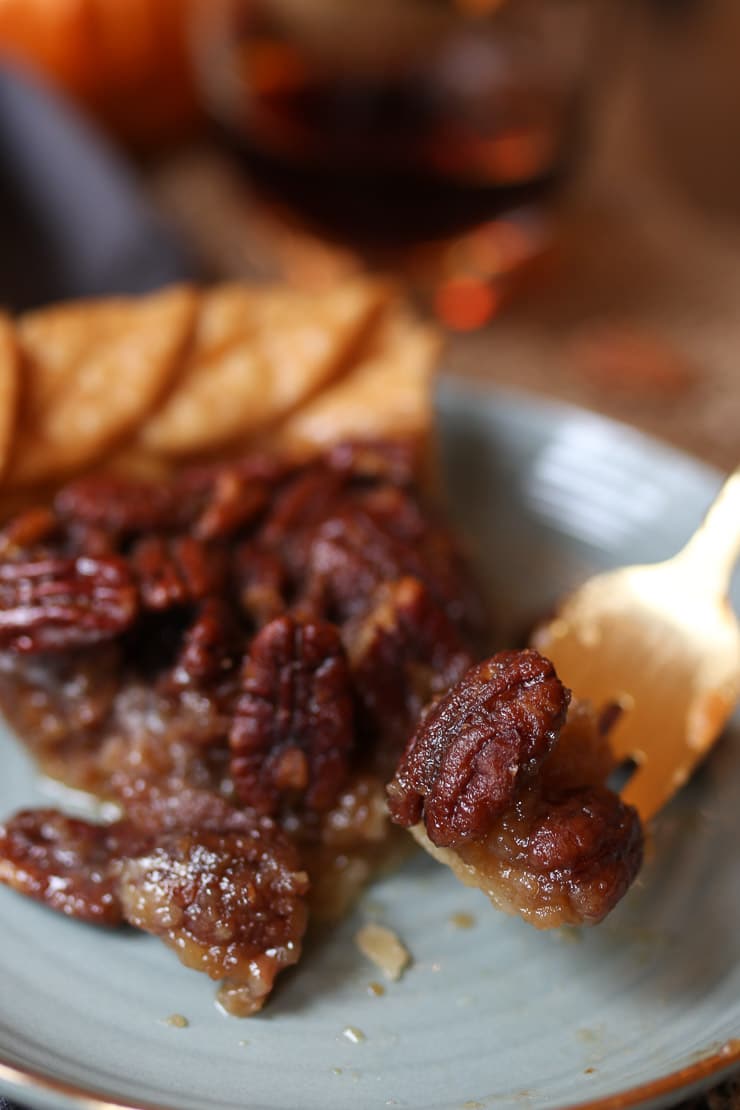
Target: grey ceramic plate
644, 1009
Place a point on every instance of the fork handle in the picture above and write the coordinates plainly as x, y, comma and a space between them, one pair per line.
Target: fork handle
712, 552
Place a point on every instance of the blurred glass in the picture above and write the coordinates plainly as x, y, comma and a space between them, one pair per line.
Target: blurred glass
399, 119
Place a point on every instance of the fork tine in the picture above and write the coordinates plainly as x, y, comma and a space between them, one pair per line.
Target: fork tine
673, 755
648, 789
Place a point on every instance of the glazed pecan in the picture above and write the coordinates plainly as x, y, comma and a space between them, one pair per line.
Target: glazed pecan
293, 727
230, 902
51, 604
121, 505
228, 895
65, 863
261, 583
90, 539
158, 804
403, 653
301, 504
377, 535
213, 500
589, 841
209, 644
393, 461
559, 856
469, 756
27, 530
234, 503
195, 484
175, 571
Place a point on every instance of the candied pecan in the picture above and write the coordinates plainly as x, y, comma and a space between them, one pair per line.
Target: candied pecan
392, 461
471, 753
27, 530
174, 571
589, 842
198, 481
404, 652
375, 536
214, 499
344, 559
302, 503
59, 704
427, 550
261, 582
293, 725
208, 644
52, 604
63, 862
90, 539
234, 503
394, 511
335, 546
230, 902
168, 803
121, 505
562, 857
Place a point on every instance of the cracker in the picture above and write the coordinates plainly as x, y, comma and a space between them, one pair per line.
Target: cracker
386, 395
9, 377
92, 370
257, 354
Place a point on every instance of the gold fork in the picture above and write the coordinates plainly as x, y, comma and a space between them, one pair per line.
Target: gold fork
662, 642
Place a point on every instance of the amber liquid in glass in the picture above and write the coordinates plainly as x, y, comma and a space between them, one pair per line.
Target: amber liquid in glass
405, 154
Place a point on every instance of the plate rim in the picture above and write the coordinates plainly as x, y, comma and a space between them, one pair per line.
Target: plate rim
696, 1077
457, 383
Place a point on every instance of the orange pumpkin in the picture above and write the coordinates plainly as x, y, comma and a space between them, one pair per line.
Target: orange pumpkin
126, 60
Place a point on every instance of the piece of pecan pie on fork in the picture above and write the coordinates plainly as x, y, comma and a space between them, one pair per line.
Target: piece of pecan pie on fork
241, 658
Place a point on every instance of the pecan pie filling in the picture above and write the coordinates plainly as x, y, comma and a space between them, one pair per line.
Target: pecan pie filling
241, 659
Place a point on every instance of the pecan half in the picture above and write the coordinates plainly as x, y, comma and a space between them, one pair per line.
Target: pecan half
471, 753
591, 842
56, 603
234, 503
176, 571
393, 461
230, 902
403, 653
121, 505
208, 646
229, 897
293, 727
65, 863
301, 504
378, 535
27, 530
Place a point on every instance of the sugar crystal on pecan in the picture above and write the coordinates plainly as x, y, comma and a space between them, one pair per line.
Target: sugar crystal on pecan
230, 902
